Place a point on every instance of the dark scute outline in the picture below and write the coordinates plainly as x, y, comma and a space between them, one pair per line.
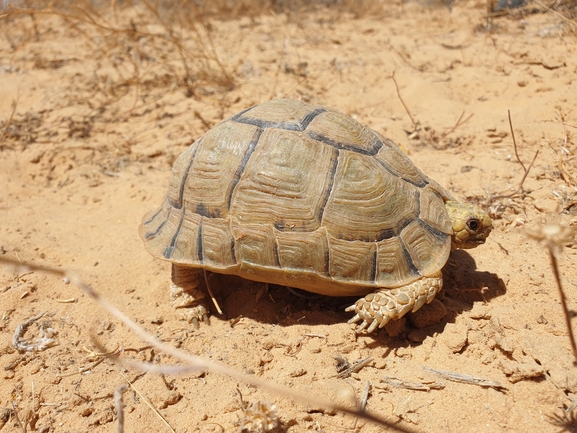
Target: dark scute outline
390, 233
437, 233
328, 260
233, 249
240, 170
385, 234
281, 225
333, 173
373, 276
151, 235
289, 126
200, 243
275, 250
419, 185
310, 117
203, 211
409, 260
168, 252
160, 209
376, 145
179, 204
242, 112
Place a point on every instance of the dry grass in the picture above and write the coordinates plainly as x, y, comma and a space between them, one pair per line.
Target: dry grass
140, 46
230, 9
143, 50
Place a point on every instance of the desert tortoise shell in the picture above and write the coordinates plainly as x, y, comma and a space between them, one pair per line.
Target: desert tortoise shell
304, 196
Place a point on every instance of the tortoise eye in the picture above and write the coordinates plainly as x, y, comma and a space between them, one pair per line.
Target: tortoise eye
473, 225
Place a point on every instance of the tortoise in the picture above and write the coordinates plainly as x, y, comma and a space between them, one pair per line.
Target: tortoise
304, 196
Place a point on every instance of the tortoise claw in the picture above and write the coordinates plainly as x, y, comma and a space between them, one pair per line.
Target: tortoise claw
374, 326
194, 315
354, 319
371, 320
364, 323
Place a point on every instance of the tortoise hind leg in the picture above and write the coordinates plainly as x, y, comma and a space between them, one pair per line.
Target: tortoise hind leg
186, 291
377, 308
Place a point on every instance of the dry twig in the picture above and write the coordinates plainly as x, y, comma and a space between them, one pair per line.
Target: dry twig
345, 369
525, 169
415, 124
414, 386
459, 123
365, 396
146, 401
465, 378
9, 121
119, 405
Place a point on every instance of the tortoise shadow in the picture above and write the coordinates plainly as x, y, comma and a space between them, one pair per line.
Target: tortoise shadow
463, 287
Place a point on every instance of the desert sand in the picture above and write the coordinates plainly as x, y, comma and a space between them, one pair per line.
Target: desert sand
96, 106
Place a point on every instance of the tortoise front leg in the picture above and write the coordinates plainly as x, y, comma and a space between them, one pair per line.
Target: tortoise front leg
377, 308
186, 291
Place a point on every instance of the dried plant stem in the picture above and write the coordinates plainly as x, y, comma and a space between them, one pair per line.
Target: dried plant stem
119, 405
210, 293
465, 378
555, 267
460, 122
526, 173
403, 57
9, 121
146, 401
520, 188
550, 9
515, 141
403, 102
175, 40
567, 177
525, 169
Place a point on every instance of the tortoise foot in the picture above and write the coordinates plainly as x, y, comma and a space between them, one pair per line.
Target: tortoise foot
377, 308
193, 311
180, 298
195, 315
186, 292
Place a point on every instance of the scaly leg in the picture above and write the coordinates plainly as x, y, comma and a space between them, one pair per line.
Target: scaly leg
186, 291
377, 308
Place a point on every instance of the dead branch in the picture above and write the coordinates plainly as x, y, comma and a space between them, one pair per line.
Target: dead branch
415, 124
525, 169
465, 378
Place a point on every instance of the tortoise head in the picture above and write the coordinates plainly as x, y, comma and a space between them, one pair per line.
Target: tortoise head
471, 224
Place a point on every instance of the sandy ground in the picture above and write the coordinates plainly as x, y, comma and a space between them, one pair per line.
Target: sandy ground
87, 151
